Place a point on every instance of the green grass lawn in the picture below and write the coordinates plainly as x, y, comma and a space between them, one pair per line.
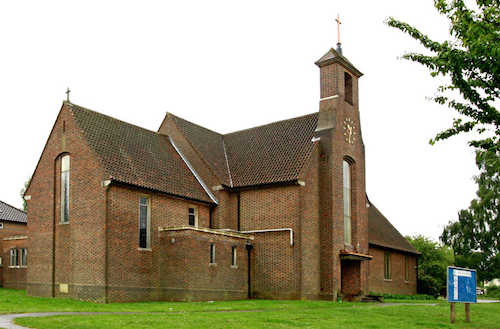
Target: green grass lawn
247, 314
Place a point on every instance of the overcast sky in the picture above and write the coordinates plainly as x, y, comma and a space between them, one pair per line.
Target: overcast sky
231, 65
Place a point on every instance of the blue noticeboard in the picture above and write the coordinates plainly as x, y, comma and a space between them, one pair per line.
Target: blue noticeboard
461, 287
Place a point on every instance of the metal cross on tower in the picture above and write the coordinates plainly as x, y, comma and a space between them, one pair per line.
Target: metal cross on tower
67, 94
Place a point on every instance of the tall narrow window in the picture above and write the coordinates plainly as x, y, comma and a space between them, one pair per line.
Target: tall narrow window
144, 222
14, 257
347, 203
348, 87
24, 257
233, 259
65, 189
387, 265
212, 254
407, 268
193, 215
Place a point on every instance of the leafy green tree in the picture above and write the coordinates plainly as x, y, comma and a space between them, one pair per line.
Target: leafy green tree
471, 59
475, 236
431, 265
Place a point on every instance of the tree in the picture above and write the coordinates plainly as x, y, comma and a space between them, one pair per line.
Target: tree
475, 236
431, 265
472, 60
21, 192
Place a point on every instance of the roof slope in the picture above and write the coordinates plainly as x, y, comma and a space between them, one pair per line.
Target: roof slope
210, 146
268, 154
272, 153
9, 213
383, 234
137, 156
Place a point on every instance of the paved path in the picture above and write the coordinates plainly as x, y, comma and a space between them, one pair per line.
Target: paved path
6, 319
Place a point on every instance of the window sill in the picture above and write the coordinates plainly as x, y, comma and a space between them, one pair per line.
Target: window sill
63, 223
407, 281
144, 249
388, 280
234, 266
14, 266
213, 264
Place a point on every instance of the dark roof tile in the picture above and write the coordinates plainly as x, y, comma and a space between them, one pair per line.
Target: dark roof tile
137, 156
9, 213
383, 234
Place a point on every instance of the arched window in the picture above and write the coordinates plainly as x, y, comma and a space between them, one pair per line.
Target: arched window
347, 202
348, 87
65, 189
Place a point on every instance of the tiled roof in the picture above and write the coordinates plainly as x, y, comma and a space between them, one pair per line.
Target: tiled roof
383, 234
272, 153
137, 156
209, 144
268, 154
9, 213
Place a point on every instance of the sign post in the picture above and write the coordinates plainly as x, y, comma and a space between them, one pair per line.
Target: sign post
461, 288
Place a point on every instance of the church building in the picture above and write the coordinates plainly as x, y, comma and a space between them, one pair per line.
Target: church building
119, 213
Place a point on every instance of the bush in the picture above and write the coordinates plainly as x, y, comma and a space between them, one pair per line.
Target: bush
409, 297
428, 285
493, 291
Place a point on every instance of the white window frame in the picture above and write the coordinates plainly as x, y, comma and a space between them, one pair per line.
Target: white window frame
212, 255
148, 221
195, 213
23, 257
347, 197
234, 257
14, 257
407, 269
387, 266
1, 265
65, 186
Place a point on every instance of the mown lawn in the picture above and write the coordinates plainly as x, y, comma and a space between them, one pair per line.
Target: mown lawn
248, 314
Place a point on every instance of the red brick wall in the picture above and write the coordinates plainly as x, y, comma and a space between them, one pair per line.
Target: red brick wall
14, 277
70, 253
13, 229
275, 261
133, 273
185, 256
397, 284
310, 229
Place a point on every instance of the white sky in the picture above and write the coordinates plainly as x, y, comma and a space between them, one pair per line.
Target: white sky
230, 65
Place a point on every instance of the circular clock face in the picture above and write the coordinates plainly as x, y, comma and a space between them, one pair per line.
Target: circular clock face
349, 131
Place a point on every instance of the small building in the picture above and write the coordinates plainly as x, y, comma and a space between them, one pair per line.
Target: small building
13, 258
120, 213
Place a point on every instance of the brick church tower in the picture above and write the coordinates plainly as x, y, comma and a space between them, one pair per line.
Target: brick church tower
343, 202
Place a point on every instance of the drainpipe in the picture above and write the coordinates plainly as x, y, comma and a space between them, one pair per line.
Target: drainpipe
249, 249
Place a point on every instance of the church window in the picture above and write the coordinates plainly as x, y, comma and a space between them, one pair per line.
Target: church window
65, 189
387, 265
347, 202
0, 261
144, 222
193, 215
24, 257
348, 87
14, 257
1, 225
407, 268
212, 254
233, 259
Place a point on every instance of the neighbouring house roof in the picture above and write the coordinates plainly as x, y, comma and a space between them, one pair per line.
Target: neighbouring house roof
137, 156
383, 234
268, 154
12, 214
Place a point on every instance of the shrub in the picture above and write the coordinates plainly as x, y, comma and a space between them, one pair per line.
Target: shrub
409, 297
493, 291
